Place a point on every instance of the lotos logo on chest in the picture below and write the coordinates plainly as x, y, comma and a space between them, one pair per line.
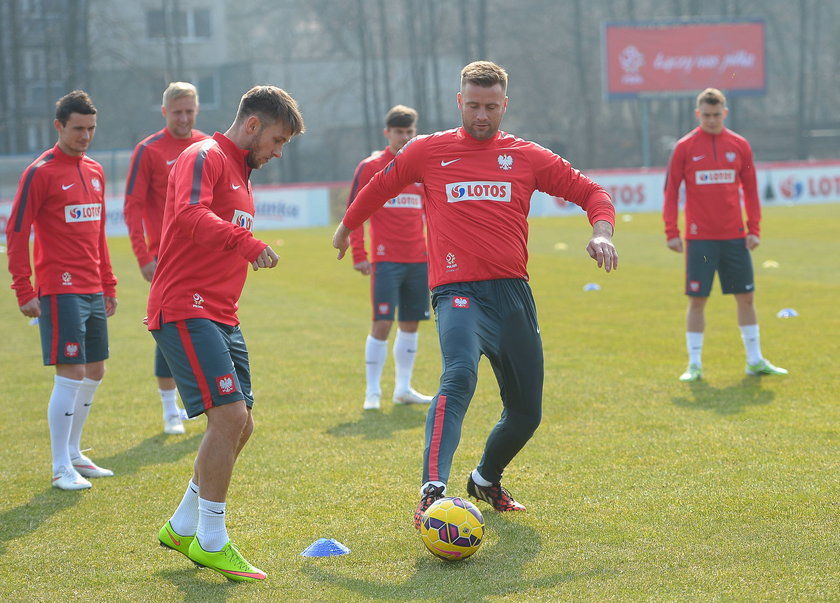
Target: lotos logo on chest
405, 201
243, 219
478, 191
714, 176
89, 212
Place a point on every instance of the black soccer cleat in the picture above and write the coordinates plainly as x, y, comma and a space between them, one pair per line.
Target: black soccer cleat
493, 494
430, 494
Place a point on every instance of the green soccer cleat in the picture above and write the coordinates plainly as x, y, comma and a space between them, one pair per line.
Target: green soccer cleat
170, 539
229, 562
763, 367
692, 373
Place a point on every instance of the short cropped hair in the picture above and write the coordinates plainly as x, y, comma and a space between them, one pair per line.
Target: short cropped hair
400, 116
712, 96
176, 90
271, 104
77, 101
485, 74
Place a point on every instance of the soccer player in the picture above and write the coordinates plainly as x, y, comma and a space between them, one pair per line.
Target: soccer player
716, 165
205, 247
62, 194
145, 195
399, 272
479, 181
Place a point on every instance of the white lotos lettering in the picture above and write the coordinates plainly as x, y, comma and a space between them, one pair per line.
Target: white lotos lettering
714, 176
405, 201
89, 212
478, 191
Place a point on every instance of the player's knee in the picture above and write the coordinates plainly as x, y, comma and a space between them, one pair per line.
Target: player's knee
459, 377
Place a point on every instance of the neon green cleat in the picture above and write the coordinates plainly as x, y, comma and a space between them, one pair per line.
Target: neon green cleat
763, 367
229, 562
692, 373
170, 539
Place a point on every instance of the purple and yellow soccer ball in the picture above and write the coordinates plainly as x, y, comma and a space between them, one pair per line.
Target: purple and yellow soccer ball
452, 528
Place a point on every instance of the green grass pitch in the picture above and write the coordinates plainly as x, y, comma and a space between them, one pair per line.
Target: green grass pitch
638, 487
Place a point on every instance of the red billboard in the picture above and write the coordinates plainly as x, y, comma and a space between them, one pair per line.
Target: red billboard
680, 59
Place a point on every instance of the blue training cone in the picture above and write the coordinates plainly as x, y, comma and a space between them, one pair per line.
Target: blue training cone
325, 547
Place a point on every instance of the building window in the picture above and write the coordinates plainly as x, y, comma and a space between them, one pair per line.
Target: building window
208, 90
194, 24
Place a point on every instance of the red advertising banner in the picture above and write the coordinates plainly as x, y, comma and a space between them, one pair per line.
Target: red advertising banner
679, 59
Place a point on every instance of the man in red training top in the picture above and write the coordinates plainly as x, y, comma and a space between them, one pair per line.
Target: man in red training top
479, 181
62, 194
145, 195
398, 269
205, 248
716, 164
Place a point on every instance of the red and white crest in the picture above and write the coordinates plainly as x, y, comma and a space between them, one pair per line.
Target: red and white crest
198, 301
226, 384
383, 308
66, 279
694, 286
71, 349
505, 162
459, 301
97, 185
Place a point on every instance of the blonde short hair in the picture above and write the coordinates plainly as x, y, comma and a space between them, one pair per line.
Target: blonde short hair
485, 74
712, 96
176, 90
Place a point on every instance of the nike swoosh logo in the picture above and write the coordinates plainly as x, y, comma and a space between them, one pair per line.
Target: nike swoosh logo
171, 161
216, 512
91, 404
172, 537
445, 163
235, 187
64, 187
68, 414
697, 158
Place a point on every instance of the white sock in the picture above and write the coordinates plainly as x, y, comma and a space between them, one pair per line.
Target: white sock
694, 343
752, 343
211, 531
480, 481
185, 519
60, 418
169, 400
376, 350
405, 350
84, 400
436, 484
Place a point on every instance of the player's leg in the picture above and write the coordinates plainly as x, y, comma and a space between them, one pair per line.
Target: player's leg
413, 307
201, 358
172, 423
737, 278
701, 262
384, 299
459, 321
516, 356
95, 351
61, 335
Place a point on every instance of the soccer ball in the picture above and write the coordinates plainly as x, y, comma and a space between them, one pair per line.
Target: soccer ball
452, 528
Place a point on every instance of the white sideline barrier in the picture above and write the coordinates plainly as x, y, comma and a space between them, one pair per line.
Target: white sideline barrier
642, 190
302, 206
276, 207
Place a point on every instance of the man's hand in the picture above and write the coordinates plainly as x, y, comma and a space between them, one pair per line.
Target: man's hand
267, 259
32, 308
675, 244
341, 239
752, 242
110, 306
148, 271
363, 267
601, 248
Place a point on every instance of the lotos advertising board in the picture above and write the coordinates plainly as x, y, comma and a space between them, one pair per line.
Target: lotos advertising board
682, 58
792, 183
